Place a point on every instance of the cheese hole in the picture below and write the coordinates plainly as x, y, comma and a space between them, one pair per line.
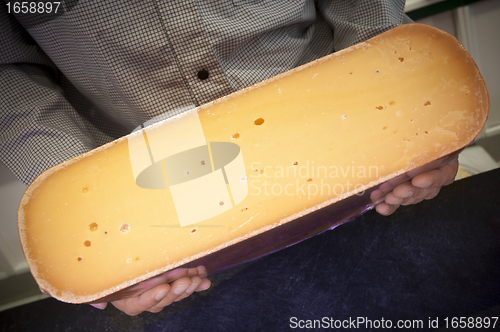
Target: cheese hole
105, 232
87, 243
186, 173
79, 259
392, 103
237, 135
309, 180
259, 121
385, 128
221, 203
295, 163
136, 259
426, 132
401, 59
193, 230
202, 162
244, 209
124, 228
93, 227
380, 107
84, 190
427, 103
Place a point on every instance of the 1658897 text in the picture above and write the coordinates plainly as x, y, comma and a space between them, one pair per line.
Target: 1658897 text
32, 7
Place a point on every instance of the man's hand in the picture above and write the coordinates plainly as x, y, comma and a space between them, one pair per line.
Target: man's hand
162, 291
415, 186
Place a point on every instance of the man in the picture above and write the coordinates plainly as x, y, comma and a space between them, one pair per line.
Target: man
80, 74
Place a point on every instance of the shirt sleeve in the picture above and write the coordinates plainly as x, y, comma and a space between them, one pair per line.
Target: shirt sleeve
39, 128
354, 21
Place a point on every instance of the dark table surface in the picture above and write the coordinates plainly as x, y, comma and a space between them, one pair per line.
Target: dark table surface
438, 259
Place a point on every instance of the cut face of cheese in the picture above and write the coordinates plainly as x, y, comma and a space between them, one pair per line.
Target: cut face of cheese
246, 171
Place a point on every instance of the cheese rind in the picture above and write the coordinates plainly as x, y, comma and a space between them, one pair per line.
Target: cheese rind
309, 138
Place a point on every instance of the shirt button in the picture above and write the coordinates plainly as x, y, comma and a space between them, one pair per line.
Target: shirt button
203, 74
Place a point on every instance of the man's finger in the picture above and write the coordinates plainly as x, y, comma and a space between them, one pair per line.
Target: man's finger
205, 284
135, 305
164, 278
438, 177
177, 289
386, 209
196, 281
